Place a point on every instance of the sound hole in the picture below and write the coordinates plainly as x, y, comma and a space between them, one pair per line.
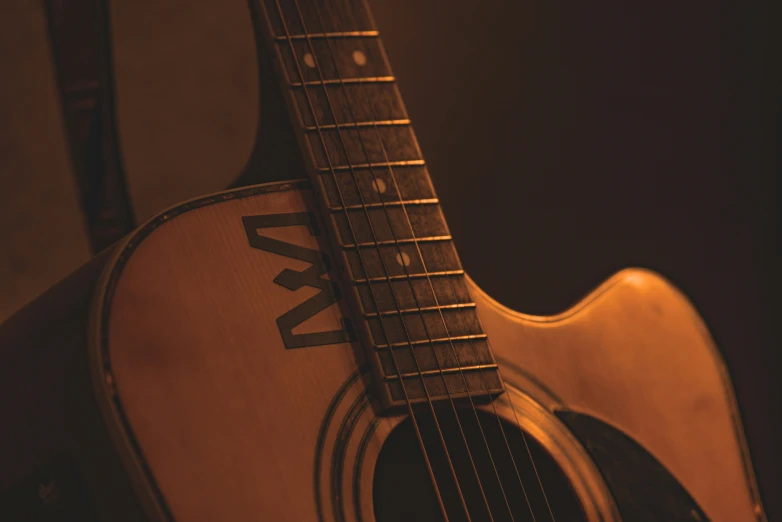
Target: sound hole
403, 491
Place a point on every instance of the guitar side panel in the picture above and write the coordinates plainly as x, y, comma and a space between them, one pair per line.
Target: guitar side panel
635, 355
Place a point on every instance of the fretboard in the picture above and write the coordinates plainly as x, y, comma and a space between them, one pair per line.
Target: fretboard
412, 308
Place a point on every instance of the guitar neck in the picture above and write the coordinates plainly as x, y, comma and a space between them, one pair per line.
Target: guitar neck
411, 304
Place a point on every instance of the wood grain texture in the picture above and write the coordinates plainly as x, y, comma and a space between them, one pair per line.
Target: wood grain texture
234, 371
214, 414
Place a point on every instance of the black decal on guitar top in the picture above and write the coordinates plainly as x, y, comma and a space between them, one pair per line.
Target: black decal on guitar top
293, 280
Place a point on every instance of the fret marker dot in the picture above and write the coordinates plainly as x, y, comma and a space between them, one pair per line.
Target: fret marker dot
309, 60
403, 259
359, 57
379, 185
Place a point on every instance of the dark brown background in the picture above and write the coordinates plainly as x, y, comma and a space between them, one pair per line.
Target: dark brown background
566, 141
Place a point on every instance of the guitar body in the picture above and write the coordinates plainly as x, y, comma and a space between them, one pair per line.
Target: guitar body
222, 411
232, 369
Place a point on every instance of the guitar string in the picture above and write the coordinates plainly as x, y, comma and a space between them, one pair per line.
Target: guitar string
373, 120
361, 43
360, 257
358, 247
454, 352
481, 371
407, 273
451, 284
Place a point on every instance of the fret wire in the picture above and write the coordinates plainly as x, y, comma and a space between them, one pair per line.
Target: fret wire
476, 367
429, 201
344, 58
420, 322
391, 242
335, 35
372, 315
380, 123
433, 256
384, 103
435, 340
378, 165
450, 290
368, 79
399, 138
441, 273
441, 351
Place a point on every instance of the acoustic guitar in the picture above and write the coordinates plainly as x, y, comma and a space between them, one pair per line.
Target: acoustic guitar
314, 351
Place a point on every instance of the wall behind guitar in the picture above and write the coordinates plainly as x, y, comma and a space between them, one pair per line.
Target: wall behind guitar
42, 227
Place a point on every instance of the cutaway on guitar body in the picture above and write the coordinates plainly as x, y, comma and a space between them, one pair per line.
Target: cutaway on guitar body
230, 375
